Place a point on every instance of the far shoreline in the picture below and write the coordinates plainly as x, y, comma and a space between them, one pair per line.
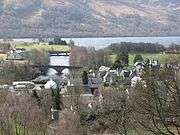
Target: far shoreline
158, 36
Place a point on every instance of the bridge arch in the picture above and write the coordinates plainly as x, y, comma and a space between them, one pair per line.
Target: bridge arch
59, 69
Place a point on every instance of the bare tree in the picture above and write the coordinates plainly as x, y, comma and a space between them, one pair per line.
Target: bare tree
78, 56
69, 124
110, 116
156, 103
38, 57
18, 115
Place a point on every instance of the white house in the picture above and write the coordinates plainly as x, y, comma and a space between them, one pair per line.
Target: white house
50, 85
135, 80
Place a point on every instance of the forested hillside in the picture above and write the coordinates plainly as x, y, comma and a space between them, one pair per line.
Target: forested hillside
81, 18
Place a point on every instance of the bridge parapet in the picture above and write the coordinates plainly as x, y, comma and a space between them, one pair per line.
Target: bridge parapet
59, 53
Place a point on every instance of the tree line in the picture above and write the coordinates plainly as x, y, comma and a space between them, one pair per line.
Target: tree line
142, 47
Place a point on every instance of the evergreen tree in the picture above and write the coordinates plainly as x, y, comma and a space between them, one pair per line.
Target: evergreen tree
56, 99
36, 97
138, 58
85, 77
147, 62
122, 60
117, 64
58, 41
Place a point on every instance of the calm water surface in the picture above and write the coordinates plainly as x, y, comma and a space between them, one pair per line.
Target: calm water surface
100, 43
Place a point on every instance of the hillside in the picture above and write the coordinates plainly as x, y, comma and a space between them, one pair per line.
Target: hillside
80, 18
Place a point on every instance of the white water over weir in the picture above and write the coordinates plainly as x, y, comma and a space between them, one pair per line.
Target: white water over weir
59, 59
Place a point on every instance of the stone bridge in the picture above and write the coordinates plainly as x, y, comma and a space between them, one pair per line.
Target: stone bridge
59, 69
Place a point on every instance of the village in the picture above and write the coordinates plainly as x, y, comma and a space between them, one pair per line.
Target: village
101, 77
89, 67
74, 84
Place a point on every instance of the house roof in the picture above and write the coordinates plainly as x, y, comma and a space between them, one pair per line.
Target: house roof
139, 63
13, 55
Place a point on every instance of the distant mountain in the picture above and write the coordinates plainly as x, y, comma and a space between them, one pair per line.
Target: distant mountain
81, 18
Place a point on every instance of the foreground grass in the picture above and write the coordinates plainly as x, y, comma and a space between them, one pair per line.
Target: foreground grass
29, 47
162, 58
16, 129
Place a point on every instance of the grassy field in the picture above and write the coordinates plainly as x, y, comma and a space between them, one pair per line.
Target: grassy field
162, 58
29, 47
